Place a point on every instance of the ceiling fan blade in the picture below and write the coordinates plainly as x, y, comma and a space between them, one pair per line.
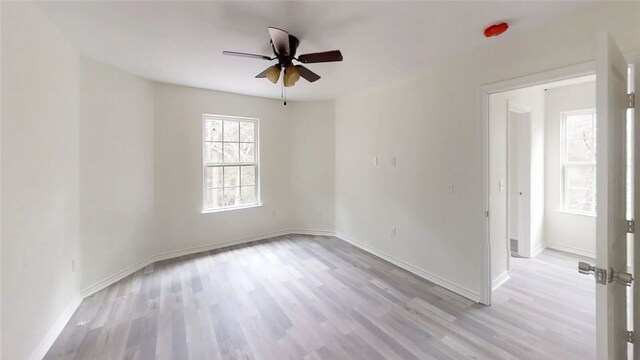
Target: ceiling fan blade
280, 41
293, 44
254, 56
309, 75
263, 74
327, 56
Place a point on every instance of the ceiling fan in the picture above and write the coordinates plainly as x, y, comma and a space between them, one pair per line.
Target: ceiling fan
284, 47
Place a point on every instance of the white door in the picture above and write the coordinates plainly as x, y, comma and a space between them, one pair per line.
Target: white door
519, 167
611, 224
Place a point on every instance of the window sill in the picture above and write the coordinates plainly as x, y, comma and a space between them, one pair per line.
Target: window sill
568, 212
230, 208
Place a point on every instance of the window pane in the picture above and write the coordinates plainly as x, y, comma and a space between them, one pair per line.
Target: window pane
580, 127
581, 150
231, 152
580, 199
247, 195
248, 175
213, 152
227, 143
581, 176
231, 131
580, 141
214, 198
247, 131
231, 196
231, 176
213, 130
247, 153
214, 177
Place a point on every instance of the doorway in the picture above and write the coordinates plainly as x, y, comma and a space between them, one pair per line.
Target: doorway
616, 156
542, 177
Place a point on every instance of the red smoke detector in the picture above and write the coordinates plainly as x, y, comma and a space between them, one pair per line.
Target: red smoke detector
496, 29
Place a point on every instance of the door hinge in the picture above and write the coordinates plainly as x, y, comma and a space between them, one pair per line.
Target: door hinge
631, 226
632, 101
630, 337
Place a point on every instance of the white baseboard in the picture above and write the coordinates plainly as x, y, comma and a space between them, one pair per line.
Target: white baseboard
56, 329
312, 232
501, 279
471, 295
88, 291
570, 249
538, 249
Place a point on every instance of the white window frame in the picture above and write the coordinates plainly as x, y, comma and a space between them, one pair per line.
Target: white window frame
206, 164
564, 162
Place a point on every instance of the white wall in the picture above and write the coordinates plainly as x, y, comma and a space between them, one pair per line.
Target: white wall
428, 121
565, 231
431, 122
313, 165
116, 170
178, 169
40, 117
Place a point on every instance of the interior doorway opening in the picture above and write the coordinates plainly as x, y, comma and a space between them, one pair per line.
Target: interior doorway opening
543, 205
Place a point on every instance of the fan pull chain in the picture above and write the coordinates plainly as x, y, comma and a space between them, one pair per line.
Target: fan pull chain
284, 90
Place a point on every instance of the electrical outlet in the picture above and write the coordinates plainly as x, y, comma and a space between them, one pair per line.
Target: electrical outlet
374, 161
393, 231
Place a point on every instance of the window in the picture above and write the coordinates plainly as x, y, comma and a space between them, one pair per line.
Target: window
579, 162
230, 163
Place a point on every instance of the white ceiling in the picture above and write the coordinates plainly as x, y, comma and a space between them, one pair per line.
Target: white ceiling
182, 42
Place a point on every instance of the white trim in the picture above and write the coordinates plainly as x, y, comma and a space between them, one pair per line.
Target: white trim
312, 232
485, 291
460, 290
90, 290
501, 279
229, 208
576, 213
572, 250
56, 329
538, 249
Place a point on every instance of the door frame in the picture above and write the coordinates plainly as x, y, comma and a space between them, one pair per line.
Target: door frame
563, 73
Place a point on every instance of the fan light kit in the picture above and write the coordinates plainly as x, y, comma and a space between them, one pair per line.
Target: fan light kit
284, 47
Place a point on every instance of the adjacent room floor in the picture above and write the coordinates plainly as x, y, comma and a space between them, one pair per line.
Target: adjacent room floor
316, 297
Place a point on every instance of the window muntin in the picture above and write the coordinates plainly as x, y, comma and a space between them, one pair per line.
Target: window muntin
230, 162
579, 162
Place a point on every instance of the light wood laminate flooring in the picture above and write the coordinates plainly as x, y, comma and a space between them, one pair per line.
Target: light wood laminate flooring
315, 297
